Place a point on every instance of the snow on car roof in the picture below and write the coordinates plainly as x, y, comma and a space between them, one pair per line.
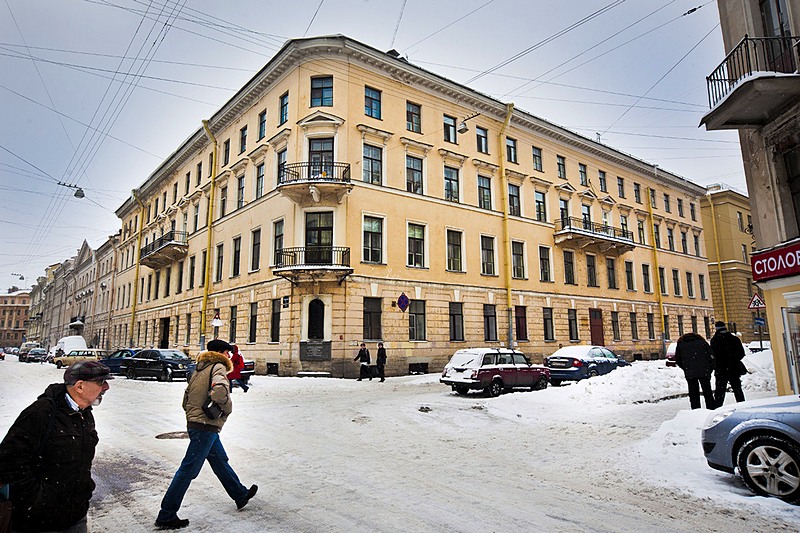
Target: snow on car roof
571, 351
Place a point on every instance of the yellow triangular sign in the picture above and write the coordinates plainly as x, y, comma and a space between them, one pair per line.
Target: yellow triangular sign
756, 302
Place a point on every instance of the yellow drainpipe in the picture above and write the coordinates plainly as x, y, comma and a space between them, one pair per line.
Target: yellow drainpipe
210, 219
656, 272
719, 259
506, 233
138, 263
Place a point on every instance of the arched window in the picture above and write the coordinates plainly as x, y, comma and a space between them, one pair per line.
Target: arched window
316, 320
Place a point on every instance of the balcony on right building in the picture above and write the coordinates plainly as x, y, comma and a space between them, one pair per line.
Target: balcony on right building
584, 233
754, 84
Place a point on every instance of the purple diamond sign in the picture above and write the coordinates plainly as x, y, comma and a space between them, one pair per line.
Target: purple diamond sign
403, 302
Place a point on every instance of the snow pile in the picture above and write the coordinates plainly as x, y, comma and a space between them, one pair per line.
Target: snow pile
760, 372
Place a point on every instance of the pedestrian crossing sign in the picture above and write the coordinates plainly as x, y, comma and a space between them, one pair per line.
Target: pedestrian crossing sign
756, 302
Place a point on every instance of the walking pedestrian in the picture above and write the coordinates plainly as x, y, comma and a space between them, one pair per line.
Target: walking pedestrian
204, 442
363, 357
694, 356
381, 361
46, 456
728, 352
235, 376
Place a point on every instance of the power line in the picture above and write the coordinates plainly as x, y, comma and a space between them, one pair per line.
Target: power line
397, 26
547, 40
310, 22
448, 25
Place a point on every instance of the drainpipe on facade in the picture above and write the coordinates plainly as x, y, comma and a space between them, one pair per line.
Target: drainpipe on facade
209, 220
139, 230
114, 243
656, 271
719, 259
506, 238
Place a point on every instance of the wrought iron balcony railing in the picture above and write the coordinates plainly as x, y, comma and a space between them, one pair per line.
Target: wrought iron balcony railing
752, 55
309, 171
313, 257
170, 237
593, 228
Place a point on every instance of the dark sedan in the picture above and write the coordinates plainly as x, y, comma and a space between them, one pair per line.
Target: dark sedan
36, 355
114, 361
164, 365
573, 363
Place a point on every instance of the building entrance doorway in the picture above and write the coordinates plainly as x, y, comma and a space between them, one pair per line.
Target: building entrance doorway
163, 337
596, 327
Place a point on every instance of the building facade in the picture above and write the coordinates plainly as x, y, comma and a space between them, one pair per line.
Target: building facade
730, 243
345, 195
756, 90
14, 315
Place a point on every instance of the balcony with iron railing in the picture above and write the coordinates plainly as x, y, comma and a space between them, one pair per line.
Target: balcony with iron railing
754, 83
313, 263
165, 250
308, 183
591, 235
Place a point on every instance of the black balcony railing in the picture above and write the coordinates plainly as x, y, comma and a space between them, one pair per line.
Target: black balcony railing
313, 256
587, 226
308, 171
751, 55
170, 237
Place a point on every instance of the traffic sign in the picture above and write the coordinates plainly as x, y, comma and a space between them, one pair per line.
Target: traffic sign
760, 321
756, 302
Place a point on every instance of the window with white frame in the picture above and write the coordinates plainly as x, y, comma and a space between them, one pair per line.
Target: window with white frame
487, 255
373, 164
373, 239
454, 250
416, 245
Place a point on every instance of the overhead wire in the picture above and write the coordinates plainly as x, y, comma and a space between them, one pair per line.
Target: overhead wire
397, 26
447, 26
553, 37
314, 16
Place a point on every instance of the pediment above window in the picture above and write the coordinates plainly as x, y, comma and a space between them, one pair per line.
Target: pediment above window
515, 177
415, 147
280, 140
239, 166
452, 157
587, 194
222, 179
258, 153
566, 189
485, 165
320, 122
539, 184
608, 200
374, 134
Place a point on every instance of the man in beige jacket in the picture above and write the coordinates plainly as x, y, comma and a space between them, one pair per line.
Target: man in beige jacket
204, 443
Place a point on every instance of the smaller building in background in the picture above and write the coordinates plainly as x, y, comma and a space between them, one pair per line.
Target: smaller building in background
729, 242
14, 308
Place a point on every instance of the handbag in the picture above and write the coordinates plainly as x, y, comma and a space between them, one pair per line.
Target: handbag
210, 407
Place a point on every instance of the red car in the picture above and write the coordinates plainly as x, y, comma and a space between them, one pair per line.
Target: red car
493, 370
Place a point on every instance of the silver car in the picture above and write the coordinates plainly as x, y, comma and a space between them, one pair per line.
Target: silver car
762, 439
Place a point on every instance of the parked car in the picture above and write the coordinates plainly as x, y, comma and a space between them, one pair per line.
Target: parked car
756, 346
492, 370
79, 355
671, 354
114, 360
162, 364
574, 363
35, 355
762, 439
66, 345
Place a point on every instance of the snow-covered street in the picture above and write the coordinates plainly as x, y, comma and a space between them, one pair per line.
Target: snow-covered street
608, 454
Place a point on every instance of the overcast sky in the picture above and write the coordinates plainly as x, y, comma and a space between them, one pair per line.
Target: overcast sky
632, 71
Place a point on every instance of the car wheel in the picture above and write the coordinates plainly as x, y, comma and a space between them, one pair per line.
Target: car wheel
541, 384
770, 466
593, 373
462, 390
555, 382
130, 374
495, 388
59, 365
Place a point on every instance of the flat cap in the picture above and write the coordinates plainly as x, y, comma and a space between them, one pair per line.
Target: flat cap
86, 371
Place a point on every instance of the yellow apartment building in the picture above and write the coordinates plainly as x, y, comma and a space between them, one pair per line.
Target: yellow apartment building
346, 195
730, 243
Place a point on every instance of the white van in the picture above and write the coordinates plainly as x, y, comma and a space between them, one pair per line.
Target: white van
66, 345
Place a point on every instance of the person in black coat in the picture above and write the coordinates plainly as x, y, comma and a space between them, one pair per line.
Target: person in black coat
363, 357
46, 456
381, 361
728, 352
694, 356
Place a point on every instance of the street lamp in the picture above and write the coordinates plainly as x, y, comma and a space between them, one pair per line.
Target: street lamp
21, 277
78, 191
462, 126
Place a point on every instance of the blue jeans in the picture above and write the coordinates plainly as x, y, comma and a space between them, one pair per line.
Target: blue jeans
203, 445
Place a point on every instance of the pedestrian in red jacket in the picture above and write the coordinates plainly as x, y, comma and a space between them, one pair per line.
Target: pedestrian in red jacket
235, 376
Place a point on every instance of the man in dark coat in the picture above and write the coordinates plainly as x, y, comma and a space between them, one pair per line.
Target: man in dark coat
694, 356
728, 352
46, 456
363, 357
381, 361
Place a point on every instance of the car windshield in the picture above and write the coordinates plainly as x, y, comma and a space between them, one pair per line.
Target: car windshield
173, 354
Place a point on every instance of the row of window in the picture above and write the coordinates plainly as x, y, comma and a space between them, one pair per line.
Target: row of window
372, 315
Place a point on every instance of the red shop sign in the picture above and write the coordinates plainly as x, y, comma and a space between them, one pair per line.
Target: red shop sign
777, 263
